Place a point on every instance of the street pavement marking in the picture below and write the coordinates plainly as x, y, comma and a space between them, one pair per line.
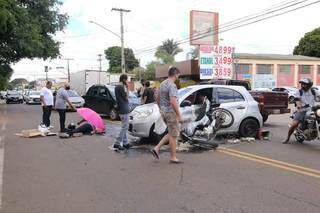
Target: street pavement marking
3, 128
1, 167
271, 162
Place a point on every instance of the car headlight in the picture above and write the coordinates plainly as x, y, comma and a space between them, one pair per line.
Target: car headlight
318, 112
142, 115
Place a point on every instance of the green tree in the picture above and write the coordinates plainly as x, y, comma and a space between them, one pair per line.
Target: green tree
5, 75
27, 29
113, 54
32, 85
309, 45
18, 83
167, 51
195, 53
150, 73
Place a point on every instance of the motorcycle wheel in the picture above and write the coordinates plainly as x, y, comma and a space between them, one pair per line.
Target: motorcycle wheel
227, 117
299, 139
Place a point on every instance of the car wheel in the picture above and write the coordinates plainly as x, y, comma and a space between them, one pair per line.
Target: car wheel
114, 114
249, 128
265, 117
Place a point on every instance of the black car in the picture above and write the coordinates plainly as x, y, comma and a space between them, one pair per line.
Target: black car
14, 97
101, 99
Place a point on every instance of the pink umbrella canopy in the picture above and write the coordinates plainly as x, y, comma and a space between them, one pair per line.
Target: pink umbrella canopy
93, 118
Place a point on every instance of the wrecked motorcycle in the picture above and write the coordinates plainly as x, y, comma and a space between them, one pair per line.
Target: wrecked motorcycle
202, 130
309, 129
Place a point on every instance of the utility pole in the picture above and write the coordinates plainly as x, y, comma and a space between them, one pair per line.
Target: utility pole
100, 68
121, 10
68, 66
46, 71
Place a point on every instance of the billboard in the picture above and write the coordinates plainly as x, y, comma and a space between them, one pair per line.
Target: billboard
201, 23
216, 62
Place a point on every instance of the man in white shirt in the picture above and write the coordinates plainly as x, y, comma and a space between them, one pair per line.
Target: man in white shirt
46, 98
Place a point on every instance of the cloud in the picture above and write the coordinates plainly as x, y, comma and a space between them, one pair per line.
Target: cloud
151, 22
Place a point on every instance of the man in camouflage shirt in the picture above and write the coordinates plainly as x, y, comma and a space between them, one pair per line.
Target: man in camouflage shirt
170, 112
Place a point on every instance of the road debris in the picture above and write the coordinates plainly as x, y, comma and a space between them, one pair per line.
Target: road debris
32, 133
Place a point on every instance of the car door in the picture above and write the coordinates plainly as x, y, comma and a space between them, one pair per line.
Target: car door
191, 110
103, 102
91, 98
233, 101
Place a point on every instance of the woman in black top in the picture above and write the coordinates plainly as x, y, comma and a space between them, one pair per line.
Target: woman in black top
148, 94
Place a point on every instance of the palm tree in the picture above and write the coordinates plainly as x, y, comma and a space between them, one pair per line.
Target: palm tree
167, 51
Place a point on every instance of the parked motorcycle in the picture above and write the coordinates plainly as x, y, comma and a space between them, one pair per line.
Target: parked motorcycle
206, 126
309, 129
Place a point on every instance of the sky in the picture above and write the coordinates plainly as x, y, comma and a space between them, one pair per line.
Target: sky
150, 22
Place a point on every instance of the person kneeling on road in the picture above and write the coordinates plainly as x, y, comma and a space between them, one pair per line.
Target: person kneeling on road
305, 99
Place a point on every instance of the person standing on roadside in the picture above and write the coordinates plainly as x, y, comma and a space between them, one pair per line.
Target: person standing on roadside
148, 94
141, 89
170, 112
62, 98
46, 99
122, 94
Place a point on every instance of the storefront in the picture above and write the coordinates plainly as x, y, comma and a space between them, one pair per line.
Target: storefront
262, 70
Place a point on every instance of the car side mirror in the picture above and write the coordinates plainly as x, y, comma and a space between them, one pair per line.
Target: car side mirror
185, 103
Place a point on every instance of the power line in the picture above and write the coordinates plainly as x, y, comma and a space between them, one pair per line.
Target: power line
275, 6
236, 21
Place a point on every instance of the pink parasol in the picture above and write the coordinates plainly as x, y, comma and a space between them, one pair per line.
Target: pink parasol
93, 118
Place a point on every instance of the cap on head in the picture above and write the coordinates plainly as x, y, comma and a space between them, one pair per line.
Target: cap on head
306, 81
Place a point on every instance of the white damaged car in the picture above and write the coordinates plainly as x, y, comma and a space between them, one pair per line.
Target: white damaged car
236, 99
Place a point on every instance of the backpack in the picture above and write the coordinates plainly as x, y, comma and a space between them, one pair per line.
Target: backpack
313, 92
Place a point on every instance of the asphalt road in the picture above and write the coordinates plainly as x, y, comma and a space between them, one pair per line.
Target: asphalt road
82, 175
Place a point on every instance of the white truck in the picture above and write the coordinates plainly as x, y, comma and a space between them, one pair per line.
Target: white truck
81, 81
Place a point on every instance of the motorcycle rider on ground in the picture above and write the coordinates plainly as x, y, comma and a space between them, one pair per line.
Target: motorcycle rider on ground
305, 99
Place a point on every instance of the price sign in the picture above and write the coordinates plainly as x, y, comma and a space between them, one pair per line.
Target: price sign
216, 62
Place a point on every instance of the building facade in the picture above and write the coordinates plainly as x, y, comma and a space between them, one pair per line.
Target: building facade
270, 70
262, 70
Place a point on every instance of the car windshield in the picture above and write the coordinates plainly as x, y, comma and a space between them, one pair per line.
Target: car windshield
72, 93
34, 93
183, 91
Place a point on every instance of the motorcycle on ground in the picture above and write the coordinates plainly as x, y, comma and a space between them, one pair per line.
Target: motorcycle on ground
203, 130
309, 129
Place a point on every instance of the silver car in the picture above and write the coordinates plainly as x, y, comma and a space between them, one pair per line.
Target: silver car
247, 117
33, 97
75, 99
291, 91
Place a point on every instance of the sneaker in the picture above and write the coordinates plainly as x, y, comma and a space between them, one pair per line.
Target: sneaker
118, 147
127, 146
50, 127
